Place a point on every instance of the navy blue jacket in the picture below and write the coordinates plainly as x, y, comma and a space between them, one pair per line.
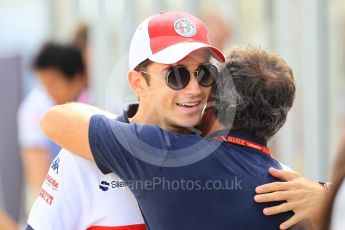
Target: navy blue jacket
215, 192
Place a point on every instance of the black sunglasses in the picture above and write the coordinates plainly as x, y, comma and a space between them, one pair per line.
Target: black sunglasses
178, 77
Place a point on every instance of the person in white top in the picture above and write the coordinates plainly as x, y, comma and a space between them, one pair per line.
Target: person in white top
88, 200
76, 195
61, 78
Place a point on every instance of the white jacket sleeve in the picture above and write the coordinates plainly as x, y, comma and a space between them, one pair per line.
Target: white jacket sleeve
76, 195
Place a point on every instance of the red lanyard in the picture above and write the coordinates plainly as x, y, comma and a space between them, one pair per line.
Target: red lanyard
244, 142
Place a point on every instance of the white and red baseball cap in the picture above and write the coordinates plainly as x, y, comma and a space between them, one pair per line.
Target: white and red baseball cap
168, 37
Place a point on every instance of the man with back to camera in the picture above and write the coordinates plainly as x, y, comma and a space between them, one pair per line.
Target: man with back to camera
143, 113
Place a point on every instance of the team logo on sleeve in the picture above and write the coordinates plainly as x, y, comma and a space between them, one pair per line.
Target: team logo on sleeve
55, 165
184, 27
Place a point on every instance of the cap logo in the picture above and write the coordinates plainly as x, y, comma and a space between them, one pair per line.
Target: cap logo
185, 27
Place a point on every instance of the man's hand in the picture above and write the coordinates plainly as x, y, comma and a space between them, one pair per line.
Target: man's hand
302, 196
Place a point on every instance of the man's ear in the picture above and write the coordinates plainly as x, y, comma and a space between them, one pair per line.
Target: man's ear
137, 83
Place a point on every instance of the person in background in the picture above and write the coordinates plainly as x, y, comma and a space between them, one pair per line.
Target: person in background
221, 31
61, 75
81, 41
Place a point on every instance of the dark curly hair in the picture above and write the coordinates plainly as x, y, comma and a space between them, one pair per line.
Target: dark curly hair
264, 94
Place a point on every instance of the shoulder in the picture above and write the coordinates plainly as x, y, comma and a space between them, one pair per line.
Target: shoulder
101, 125
68, 163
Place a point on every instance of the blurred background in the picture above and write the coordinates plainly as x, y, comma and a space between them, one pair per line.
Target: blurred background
308, 34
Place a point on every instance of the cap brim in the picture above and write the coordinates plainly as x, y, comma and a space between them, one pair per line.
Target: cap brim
177, 52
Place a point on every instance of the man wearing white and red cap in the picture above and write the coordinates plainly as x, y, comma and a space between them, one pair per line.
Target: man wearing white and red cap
86, 199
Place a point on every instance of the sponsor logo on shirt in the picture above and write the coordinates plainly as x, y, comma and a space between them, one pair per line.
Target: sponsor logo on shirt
105, 185
51, 182
46, 196
55, 165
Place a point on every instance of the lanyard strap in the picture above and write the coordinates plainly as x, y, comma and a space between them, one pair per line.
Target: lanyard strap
244, 142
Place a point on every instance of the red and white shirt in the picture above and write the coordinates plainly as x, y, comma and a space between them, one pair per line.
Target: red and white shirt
76, 195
